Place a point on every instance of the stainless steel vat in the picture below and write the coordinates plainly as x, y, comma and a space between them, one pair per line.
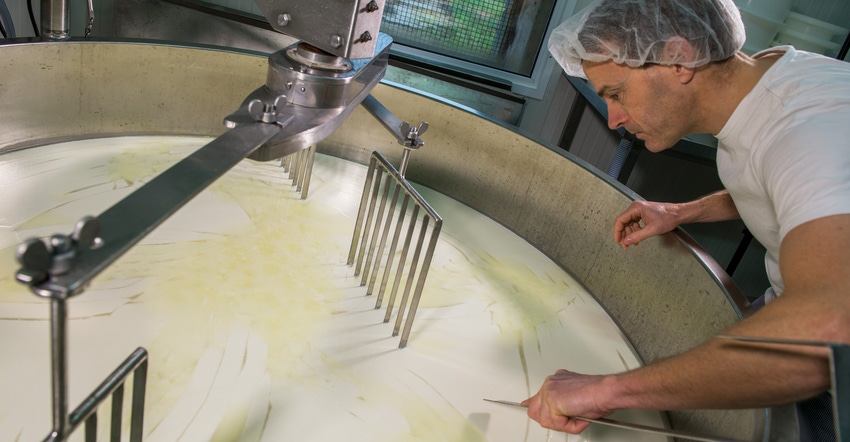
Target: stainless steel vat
667, 295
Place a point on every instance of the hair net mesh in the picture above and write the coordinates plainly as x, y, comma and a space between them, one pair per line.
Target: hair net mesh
637, 32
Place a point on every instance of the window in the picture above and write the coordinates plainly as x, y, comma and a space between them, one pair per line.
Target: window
501, 34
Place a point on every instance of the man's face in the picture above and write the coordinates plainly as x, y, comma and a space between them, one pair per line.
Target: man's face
648, 101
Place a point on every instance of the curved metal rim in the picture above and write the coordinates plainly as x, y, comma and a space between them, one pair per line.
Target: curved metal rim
733, 293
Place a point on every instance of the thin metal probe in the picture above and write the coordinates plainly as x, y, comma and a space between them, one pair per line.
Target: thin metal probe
635, 427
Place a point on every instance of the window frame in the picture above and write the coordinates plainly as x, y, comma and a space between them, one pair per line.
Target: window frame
532, 86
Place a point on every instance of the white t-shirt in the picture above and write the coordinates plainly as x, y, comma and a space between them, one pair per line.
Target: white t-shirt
784, 155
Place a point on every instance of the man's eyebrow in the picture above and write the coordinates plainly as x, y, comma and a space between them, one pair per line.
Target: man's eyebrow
603, 91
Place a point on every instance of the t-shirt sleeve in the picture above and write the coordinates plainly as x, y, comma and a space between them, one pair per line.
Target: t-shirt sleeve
807, 169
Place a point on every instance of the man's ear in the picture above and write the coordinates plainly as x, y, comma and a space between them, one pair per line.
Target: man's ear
678, 51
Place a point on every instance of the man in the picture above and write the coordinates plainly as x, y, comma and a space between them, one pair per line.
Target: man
668, 68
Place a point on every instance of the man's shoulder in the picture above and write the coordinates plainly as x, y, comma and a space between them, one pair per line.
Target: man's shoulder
799, 66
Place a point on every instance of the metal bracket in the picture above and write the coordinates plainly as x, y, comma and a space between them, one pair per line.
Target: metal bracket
405, 134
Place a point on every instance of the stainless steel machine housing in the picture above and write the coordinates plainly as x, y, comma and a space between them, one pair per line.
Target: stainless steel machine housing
345, 28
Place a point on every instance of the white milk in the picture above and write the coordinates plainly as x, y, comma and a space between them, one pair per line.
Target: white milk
258, 330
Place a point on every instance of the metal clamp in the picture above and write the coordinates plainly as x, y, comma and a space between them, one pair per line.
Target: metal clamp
39, 258
410, 140
410, 134
405, 134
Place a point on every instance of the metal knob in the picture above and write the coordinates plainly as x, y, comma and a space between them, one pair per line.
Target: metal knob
86, 232
34, 255
266, 112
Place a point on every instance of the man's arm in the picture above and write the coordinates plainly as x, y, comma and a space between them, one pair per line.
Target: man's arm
815, 305
644, 219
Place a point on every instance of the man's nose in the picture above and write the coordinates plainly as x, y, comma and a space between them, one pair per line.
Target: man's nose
616, 116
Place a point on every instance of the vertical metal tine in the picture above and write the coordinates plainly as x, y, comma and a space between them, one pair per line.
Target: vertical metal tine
373, 203
117, 408
384, 234
299, 170
414, 264
304, 160
302, 166
308, 171
91, 428
300, 176
284, 163
137, 414
361, 213
295, 170
292, 162
411, 226
373, 240
420, 284
393, 246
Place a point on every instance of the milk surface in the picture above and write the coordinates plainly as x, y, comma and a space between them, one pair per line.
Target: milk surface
258, 330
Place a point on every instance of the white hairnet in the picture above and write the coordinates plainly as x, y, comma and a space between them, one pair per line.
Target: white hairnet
637, 32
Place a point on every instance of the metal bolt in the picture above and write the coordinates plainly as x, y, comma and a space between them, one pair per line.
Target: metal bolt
64, 254
283, 19
336, 41
372, 6
269, 113
60, 243
364, 37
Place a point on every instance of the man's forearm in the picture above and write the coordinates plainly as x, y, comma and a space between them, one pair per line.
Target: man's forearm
726, 373
717, 206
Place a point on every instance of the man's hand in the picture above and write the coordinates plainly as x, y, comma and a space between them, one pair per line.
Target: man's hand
644, 219
565, 394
